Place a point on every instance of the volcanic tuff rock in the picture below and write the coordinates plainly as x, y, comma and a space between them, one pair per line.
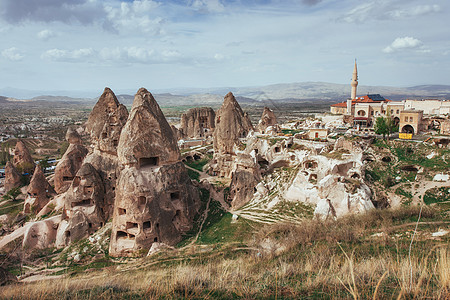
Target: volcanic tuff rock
231, 124
105, 124
106, 121
84, 208
268, 119
41, 234
335, 187
70, 163
155, 199
147, 138
72, 136
12, 177
176, 132
22, 158
245, 178
39, 192
198, 122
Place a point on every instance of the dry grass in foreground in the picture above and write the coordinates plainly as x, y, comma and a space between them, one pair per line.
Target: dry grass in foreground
331, 260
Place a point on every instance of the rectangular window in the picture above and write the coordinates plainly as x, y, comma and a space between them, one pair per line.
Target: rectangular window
410, 119
406, 119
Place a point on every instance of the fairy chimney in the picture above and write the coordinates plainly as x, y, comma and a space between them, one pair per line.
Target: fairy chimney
39, 192
155, 198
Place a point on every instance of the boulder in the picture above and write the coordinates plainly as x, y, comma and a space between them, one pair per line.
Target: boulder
198, 122
22, 159
39, 192
155, 199
12, 177
41, 234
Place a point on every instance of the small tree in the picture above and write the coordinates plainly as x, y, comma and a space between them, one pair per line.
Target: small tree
381, 127
385, 126
43, 163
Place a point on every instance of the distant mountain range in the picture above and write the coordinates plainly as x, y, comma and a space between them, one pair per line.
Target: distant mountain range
286, 92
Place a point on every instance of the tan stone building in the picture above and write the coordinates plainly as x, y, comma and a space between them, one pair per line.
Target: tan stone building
411, 121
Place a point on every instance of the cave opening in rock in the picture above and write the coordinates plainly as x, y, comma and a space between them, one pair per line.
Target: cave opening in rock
148, 161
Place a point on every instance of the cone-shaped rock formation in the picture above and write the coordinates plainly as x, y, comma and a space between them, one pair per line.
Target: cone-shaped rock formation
155, 199
39, 192
70, 163
105, 124
268, 119
106, 121
22, 158
231, 124
12, 177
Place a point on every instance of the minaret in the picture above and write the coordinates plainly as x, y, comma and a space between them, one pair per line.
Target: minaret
354, 82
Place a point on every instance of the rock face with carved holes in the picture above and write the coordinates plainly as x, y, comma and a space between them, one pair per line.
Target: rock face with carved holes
84, 206
232, 124
245, 177
22, 158
39, 192
70, 163
268, 119
12, 177
155, 199
106, 121
198, 122
104, 125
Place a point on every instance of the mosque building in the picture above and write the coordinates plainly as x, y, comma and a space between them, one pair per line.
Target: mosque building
408, 114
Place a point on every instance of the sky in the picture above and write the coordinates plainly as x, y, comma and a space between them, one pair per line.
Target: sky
86, 45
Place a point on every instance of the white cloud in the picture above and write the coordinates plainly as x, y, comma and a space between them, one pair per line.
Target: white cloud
388, 10
207, 6
45, 34
403, 43
138, 15
12, 54
128, 55
68, 55
414, 11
